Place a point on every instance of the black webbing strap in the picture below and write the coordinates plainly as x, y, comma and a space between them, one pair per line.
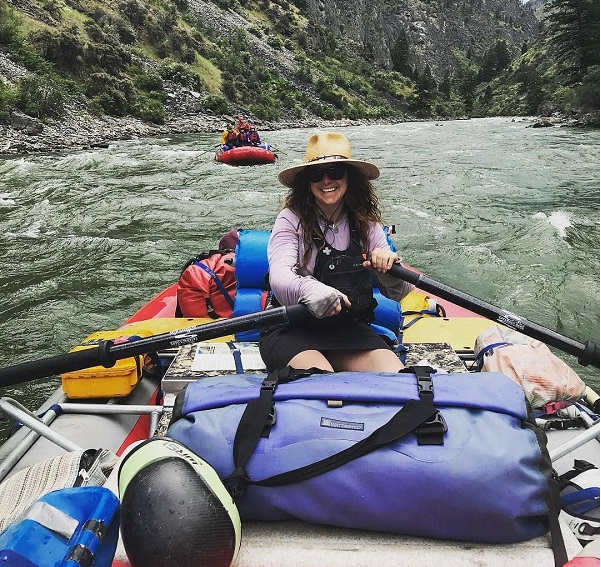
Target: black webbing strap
558, 545
410, 416
258, 413
431, 432
259, 410
579, 467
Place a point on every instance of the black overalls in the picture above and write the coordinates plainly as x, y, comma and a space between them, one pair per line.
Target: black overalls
349, 330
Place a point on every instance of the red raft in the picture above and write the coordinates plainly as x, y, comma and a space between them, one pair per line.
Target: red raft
247, 155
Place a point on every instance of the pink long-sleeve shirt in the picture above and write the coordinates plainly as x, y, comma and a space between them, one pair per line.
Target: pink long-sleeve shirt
292, 282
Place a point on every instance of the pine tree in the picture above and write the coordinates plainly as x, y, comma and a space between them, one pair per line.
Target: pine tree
445, 86
400, 55
502, 55
573, 32
427, 89
489, 66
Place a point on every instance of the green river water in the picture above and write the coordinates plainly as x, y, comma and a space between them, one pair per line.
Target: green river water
503, 212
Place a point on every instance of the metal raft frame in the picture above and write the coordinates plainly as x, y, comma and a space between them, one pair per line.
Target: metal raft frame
40, 426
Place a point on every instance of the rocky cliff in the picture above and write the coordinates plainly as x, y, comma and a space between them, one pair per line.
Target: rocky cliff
436, 30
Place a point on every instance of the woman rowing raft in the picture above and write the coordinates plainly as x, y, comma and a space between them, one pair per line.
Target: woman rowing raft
325, 245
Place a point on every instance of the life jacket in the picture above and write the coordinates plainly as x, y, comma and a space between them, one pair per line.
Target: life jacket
243, 136
252, 281
207, 286
253, 137
232, 136
343, 270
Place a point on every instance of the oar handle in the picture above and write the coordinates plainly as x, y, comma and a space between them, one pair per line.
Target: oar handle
587, 353
32, 370
108, 353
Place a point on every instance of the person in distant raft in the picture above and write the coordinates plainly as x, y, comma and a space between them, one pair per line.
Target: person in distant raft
207, 285
253, 136
325, 246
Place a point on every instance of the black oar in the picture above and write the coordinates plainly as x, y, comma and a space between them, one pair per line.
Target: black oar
587, 353
209, 150
108, 353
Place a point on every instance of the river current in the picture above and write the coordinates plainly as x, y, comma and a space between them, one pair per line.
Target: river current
503, 212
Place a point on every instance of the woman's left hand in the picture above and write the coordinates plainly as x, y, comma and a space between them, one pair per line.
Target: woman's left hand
381, 259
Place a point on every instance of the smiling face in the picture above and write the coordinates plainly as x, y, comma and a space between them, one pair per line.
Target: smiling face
329, 192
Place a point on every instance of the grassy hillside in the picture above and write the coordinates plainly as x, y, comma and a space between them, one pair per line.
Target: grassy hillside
153, 59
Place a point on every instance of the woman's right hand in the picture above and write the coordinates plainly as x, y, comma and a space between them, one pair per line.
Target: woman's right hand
324, 301
342, 303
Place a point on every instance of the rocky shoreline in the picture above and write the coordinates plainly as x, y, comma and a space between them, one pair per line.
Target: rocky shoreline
78, 129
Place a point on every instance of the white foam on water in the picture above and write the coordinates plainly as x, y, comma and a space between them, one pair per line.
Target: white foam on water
33, 231
418, 213
560, 220
6, 200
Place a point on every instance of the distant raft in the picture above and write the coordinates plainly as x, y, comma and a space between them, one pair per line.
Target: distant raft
246, 155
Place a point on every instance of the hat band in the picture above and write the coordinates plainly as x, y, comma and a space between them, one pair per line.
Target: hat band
326, 157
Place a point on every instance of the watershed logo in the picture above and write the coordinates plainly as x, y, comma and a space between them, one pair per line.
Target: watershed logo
338, 424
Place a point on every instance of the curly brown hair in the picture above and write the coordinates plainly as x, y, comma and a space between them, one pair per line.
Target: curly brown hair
360, 202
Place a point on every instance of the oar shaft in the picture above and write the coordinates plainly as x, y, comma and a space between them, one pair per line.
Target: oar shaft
260, 319
587, 353
108, 353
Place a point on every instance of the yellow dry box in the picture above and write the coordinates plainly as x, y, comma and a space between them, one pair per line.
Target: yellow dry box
101, 382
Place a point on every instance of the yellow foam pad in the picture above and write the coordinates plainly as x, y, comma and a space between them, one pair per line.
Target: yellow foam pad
461, 332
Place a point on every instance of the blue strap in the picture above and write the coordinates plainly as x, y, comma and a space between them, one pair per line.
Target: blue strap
587, 499
237, 357
416, 319
479, 360
217, 281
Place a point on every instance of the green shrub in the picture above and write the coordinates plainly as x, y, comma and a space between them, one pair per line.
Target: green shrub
7, 99
110, 57
181, 74
148, 81
216, 104
256, 31
112, 95
135, 12
53, 8
564, 98
149, 109
10, 31
41, 96
587, 93
275, 42
182, 5
63, 48
125, 31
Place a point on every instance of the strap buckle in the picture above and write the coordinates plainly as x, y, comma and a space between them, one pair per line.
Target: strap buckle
430, 432
425, 388
237, 482
269, 422
270, 382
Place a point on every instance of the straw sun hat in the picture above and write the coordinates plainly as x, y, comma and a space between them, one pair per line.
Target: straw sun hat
324, 148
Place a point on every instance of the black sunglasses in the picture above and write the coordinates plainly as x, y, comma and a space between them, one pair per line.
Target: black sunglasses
335, 172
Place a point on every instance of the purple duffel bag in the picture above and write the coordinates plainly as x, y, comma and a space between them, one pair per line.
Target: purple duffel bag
451, 456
